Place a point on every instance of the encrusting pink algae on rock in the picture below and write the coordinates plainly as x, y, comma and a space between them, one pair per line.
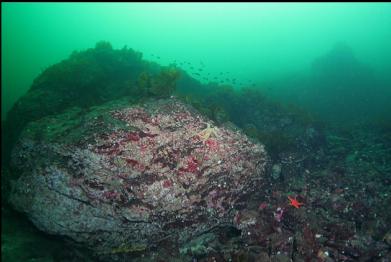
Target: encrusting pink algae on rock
119, 177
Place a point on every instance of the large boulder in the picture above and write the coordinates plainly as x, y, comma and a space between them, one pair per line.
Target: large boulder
120, 178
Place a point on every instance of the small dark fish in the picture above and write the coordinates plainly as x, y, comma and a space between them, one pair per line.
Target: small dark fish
158, 57
197, 74
191, 68
199, 69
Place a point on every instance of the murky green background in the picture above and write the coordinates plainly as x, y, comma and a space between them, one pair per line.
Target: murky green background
261, 43
332, 59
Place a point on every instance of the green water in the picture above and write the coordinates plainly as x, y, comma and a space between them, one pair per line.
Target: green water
317, 68
259, 43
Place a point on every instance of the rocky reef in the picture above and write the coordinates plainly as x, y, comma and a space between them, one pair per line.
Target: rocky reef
123, 178
135, 161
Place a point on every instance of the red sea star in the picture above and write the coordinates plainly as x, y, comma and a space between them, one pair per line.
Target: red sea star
294, 202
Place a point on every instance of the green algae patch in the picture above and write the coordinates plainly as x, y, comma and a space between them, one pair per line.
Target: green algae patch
129, 248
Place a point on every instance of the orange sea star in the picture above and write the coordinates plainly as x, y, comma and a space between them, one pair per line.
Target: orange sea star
294, 202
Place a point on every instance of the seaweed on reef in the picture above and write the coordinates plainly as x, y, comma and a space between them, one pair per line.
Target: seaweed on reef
86, 78
161, 85
101, 74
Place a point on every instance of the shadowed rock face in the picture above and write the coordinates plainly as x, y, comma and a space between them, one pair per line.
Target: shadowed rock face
120, 178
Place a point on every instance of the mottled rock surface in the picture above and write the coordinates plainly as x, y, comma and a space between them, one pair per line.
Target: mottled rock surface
120, 178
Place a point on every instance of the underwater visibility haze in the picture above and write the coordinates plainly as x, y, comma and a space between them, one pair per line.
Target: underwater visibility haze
196, 131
